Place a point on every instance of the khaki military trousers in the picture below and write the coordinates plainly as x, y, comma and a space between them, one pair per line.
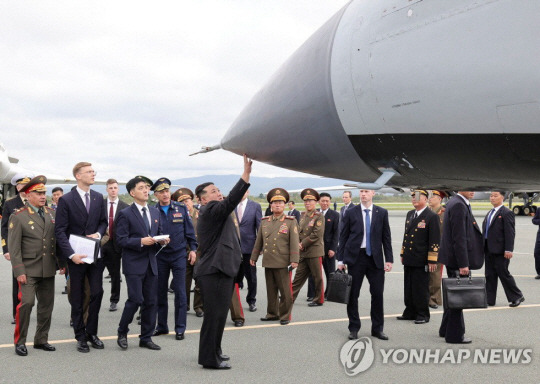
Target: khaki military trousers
43, 289
278, 280
435, 279
306, 267
237, 311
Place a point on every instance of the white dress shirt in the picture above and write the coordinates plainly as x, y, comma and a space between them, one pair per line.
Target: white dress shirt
364, 218
140, 207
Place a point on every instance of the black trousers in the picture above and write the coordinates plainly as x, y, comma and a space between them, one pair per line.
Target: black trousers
497, 268
113, 262
365, 267
416, 293
142, 292
453, 324
77, 274
329, 266
250, 273
537, 253
217, 290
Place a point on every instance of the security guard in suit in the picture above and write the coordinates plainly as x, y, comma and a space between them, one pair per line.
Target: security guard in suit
186, 196
419, 254
32, 246
10, 206
176, 222
435, 277
311, 235
278, 241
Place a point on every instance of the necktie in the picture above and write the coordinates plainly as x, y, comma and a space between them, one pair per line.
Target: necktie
240, 212
145, 219
368, 232
41, 214
111, 220
344, 210
87, 199
415, 215
488, 222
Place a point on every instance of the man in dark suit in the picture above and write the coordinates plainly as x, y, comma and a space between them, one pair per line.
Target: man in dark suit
82, 212
220, 257
249, 215
499, 233
536, 221
293, 211
10, 206
365, 246
112, 254
461, 250
136, 227
347, 198
331, 238
419, 257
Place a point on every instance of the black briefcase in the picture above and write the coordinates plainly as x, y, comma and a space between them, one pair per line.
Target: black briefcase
464, 292
339, 287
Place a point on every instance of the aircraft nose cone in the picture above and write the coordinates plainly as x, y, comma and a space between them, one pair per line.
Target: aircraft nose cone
292, 122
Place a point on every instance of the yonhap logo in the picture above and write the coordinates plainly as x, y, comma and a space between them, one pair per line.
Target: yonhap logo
357, 356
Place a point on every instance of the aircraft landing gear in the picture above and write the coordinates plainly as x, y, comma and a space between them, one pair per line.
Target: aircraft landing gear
527, 209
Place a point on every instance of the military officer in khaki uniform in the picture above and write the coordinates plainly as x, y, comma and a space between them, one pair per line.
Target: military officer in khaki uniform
311, 234
435, 277
277, 239
32, 247
186, 196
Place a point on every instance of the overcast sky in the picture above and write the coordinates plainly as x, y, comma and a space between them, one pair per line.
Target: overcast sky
134, 87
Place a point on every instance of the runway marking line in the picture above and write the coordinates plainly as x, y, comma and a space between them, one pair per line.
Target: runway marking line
290, 324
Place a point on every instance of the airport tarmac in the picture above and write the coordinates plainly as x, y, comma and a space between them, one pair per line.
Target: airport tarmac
307, 350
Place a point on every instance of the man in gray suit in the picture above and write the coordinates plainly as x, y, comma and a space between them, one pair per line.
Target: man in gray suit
220, 257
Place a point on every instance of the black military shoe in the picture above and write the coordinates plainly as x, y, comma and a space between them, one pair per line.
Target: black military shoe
20, 349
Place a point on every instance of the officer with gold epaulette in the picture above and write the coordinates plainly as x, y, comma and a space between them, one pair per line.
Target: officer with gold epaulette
32, 247
176, 222
311, 234
9, 207
186, 196
278, 241
435, 277
419, 254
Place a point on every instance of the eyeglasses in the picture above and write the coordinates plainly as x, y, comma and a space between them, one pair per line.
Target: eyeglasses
89, 173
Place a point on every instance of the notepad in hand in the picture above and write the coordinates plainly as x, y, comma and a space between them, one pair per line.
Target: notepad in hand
160, 237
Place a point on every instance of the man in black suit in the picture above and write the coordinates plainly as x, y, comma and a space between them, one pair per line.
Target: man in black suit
499, 233
461, 250
536, 221
347, 203
136, 227
293, 211
10, 206
220, 257
331, 238
112, 253
365, 247
82, 212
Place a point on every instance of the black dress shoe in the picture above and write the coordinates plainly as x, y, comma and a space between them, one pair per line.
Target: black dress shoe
199, 313
403, 318
284, 322
113, 307
95, 341
122, 341
82, 346
150, 345
179, 336
71, 323
517, 302
222, 365
170, 290
434, 306
269, 318
309, 299
379, 335
353, 335
20, 349
65, 292
421, 321
252, 307
537, 277
13, 321
157, 332
108, 276
224, 357
491, 304
314, 304
45, 347
139, 322
465, 340
238, 323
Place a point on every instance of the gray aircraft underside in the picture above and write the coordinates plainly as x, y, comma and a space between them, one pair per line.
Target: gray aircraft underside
445, 93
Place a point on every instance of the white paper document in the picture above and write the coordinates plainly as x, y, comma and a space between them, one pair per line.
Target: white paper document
160, 237
85, 246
